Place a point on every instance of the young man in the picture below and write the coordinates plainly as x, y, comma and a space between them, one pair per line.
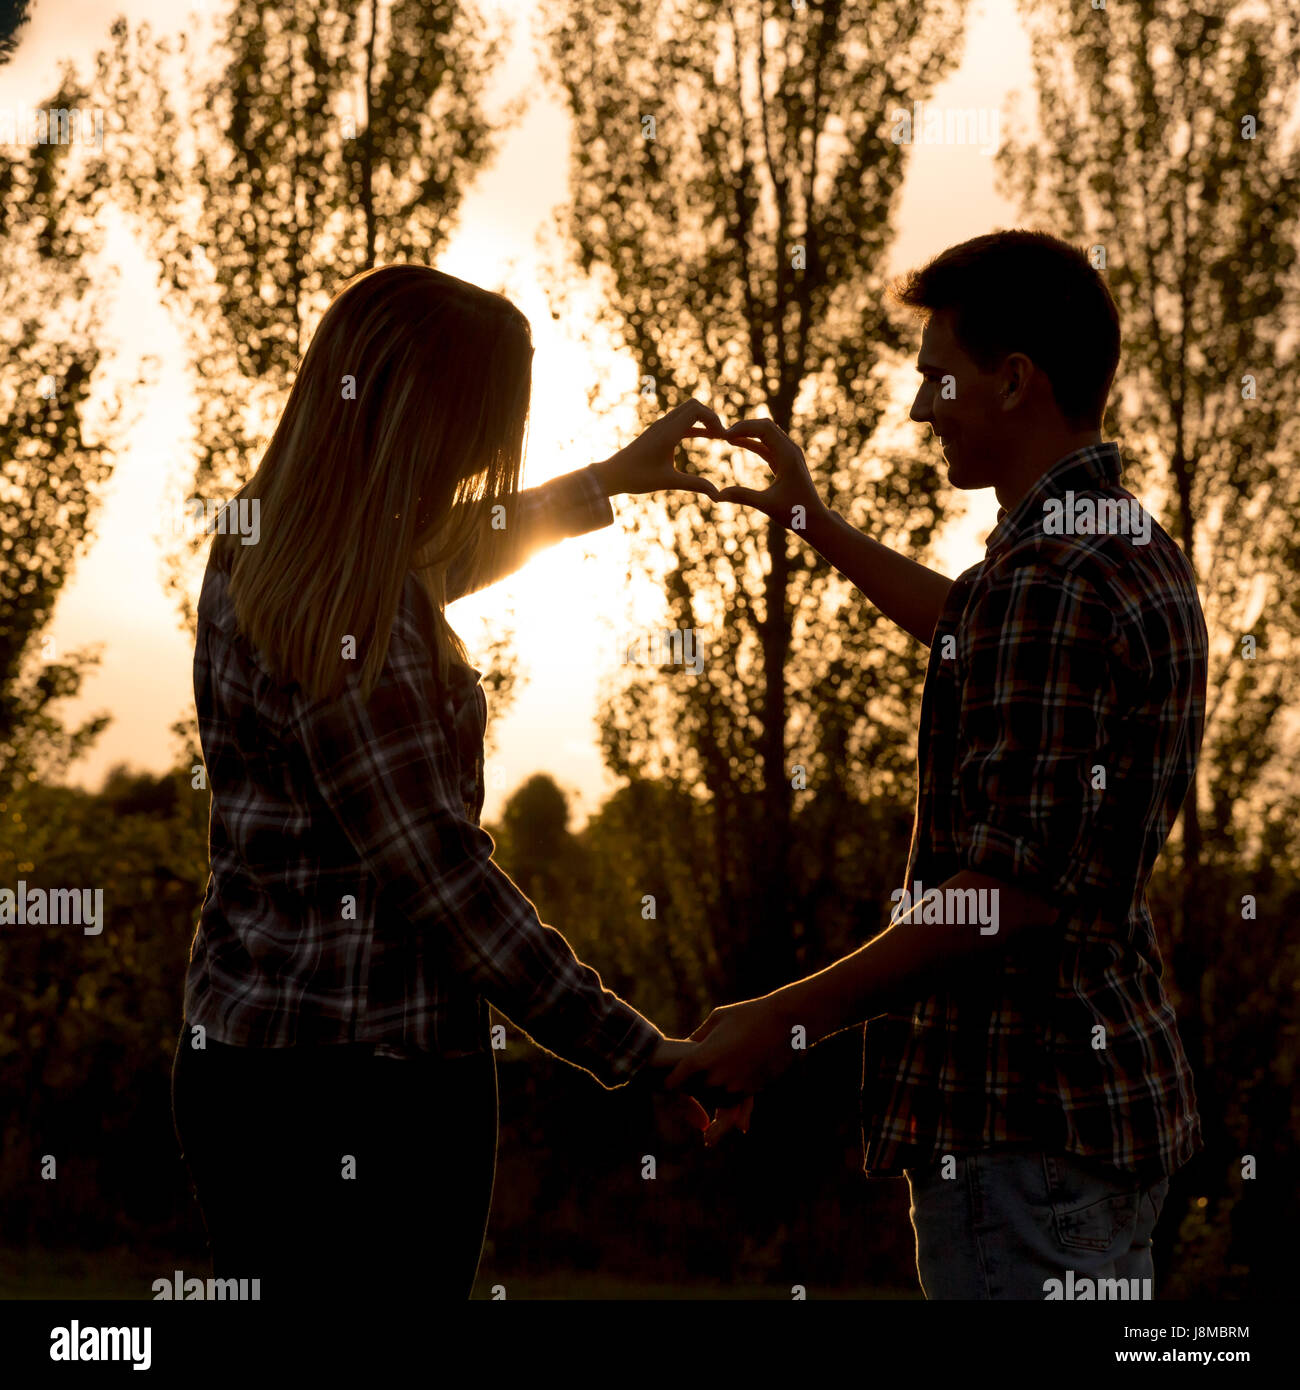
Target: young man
1023, 1067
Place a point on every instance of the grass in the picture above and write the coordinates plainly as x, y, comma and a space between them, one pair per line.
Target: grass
595, 1287
126, 1273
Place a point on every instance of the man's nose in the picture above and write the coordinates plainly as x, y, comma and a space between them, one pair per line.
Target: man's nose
919, 412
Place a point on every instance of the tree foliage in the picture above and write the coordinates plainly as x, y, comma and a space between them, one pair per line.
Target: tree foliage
52, 460
733, 184
306, 143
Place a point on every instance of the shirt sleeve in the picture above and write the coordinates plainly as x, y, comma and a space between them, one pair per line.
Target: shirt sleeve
570, 505
1039, 706
387, 770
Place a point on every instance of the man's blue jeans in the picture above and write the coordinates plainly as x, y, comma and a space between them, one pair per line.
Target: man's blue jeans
1005, 1223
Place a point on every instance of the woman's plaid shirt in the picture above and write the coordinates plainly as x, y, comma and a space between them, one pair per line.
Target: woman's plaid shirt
1057, 660
352, 895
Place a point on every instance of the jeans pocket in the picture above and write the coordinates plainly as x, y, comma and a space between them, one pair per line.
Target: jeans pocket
1090, 1211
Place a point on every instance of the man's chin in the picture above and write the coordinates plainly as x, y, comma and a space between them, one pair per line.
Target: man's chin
958, 474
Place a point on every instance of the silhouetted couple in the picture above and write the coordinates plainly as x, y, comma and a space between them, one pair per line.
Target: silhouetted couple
334, 1082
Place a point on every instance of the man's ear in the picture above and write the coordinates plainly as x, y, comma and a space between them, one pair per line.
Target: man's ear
1017, 370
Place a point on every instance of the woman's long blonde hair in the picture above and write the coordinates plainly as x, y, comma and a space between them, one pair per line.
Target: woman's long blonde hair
404, 429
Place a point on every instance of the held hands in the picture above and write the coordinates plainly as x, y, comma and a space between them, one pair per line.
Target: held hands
673, 1051
735, 1052
742, 1048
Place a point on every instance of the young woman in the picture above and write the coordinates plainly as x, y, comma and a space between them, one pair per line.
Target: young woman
334, 1088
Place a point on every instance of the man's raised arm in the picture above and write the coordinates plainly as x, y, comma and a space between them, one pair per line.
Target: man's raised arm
906, 592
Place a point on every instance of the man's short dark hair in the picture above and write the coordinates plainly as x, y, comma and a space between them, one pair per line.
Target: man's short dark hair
1029, 292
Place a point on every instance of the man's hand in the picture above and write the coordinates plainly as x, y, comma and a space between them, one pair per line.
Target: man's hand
667, 1055
793, 486
646, 465
741, 1048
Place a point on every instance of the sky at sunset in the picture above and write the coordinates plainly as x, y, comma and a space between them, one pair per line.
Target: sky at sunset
570, 606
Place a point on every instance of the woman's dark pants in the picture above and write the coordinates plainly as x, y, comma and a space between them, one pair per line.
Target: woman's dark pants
331, 1174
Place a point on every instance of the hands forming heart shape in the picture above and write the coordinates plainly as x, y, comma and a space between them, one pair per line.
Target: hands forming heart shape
647, 464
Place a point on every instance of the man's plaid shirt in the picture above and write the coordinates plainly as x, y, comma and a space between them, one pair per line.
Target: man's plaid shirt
352, 895
1069, 653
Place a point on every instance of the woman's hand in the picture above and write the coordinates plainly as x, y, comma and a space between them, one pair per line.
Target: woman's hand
793, 486
668, 1052
732, 1117
646, 465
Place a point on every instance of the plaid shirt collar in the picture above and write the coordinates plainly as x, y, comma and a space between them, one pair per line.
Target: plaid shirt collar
1088, 469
